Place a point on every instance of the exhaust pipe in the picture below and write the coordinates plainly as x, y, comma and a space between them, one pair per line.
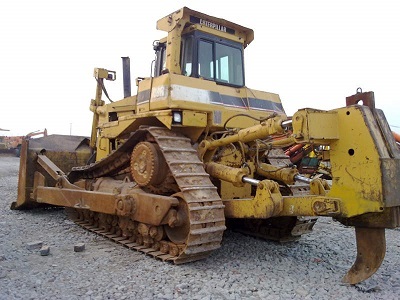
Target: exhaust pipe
126, 72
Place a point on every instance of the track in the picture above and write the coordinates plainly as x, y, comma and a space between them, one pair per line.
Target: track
200, 203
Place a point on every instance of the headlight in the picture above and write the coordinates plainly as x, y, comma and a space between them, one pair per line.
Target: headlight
177, 117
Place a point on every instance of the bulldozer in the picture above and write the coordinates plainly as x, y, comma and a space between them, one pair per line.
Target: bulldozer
195, 151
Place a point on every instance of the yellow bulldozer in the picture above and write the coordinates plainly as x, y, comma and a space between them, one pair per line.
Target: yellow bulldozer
195, 151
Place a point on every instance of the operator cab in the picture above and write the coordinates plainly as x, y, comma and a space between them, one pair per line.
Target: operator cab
211, 50
206, 56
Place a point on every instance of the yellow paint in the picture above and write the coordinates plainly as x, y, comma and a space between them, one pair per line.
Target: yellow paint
194, 119
231, 192
356, 146
267, 202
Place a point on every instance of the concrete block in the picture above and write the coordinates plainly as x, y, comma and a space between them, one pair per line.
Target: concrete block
45, 250
79, 247
34, 245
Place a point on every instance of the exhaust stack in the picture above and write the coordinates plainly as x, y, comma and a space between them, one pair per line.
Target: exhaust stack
126, 72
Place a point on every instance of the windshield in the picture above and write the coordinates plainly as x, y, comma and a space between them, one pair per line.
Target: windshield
220, 61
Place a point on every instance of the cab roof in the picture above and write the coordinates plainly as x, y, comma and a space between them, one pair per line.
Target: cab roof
186, 16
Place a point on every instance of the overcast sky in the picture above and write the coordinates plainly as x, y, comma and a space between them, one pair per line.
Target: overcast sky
312, 53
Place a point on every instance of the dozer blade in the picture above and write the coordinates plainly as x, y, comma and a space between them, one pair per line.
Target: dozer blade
371, 248
65, 151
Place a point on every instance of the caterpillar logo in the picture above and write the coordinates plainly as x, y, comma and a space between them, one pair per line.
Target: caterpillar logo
212, 25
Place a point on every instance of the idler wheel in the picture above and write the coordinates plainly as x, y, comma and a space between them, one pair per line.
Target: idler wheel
148, 166
178, 232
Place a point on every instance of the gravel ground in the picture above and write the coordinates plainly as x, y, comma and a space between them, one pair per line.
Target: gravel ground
243, 268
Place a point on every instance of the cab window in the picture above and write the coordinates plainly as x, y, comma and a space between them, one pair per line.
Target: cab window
228, 62
187, 56
160, 62
212, 58
206, 60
